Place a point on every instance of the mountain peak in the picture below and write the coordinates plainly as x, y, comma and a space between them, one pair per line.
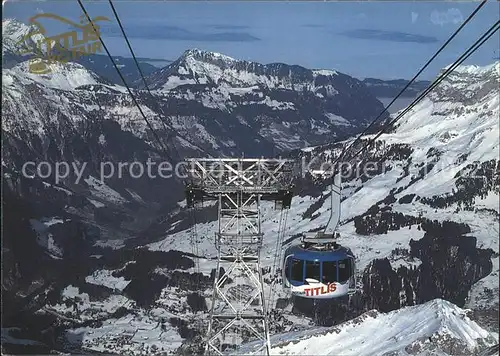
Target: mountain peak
197, 66
17, 37
11, 26
206, 56
63, 76
476, 70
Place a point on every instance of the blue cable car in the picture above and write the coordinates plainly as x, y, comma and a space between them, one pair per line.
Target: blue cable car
319, 267
319, 270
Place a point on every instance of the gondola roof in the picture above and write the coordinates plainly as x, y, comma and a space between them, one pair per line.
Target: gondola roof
300, 253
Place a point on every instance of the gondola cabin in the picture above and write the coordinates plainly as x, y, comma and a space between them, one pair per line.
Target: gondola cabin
319, 271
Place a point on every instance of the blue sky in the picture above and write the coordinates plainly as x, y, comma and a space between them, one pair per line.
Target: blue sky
365, 39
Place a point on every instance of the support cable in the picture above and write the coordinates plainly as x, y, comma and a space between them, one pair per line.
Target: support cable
473, 48
347, 148
155, 134
148, 123
158, 107
273, 267
164, 121
279, 250
281, 247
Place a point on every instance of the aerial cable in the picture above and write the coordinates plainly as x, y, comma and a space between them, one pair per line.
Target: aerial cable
194, 245
128, 88
165, 149
275, 260
158, 107
166, 124
196, 231
196, 241
283, 233
485, 37
279, 246
344, 151
279, 251
135, 60
278, 239
473, 48
153, 131
283, 238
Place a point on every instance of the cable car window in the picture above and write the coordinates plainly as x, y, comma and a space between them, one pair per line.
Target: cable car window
344, 270
297, 270
329, 271
312, 270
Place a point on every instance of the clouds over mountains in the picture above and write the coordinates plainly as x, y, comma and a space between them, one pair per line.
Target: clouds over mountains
393, 36
223, 33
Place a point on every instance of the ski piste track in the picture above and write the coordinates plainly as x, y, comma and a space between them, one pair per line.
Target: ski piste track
238, 185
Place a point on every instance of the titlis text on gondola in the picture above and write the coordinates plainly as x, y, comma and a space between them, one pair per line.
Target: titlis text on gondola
329, 288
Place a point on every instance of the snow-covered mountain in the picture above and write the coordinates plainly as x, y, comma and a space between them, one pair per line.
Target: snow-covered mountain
422, 219
283, 103
265, 108
437, 327
18, 38
72, 114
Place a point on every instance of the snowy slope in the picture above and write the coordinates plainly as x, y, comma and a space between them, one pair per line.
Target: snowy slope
429, 158
217, 68
436, 327
13, 32
18, 37
62, 76
465, 131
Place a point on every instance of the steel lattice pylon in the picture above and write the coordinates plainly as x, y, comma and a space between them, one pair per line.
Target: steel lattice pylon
238, 311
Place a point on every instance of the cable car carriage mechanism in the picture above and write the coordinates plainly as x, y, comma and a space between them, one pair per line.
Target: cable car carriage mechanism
318, 267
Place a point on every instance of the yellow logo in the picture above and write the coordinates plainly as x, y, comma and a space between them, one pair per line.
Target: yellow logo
62, 47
